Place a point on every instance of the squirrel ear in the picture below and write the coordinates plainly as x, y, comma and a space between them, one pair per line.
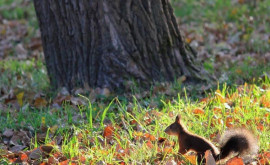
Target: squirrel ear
177, 119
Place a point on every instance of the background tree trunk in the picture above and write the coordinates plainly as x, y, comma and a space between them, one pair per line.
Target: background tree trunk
102, 43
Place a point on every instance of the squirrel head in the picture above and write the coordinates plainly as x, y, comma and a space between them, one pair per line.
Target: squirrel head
175, 128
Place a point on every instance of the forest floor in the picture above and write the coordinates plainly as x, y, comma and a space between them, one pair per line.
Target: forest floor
41, 126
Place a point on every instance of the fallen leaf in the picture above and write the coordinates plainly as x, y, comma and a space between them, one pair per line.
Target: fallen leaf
205, 100
46, 149
21, 52
17, 148
8, 133
152, 138
40, 102
108, 131
198, 111
217, 110
65, 162
20, 138
260, 127
20, 98
229, 122
191, 158
53, 129
133, 122
264, 158
235, 161
149, 144
24, 157
168, 149
52, 160
36, 154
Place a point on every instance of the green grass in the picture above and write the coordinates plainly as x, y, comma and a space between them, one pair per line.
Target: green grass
18, 9
245, 17
29, 75
219, 11
245, 106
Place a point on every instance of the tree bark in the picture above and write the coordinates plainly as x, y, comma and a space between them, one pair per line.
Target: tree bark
102, 43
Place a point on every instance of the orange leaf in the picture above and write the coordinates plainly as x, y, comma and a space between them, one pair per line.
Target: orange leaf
220, 121
264, 158
133, 122
235, 161
11, 160
213, 135
149, 144
205, 100
229, 122
191, 158
260, 127
264, 161
217, 110
267, 154
108, 131
66, 162
198, 111
167, 149
147, 135
152, 138
265, 101
148, 121
24, 157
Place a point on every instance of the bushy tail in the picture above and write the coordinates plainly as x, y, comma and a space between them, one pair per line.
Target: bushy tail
240, 141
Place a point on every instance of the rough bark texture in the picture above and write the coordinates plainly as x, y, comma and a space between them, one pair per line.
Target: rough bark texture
102, 43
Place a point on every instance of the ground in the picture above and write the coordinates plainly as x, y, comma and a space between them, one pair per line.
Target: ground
39, 125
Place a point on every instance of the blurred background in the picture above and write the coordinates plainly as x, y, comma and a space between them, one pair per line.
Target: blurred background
231, 37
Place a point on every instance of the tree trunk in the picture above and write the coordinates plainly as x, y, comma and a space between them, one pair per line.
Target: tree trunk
103, 43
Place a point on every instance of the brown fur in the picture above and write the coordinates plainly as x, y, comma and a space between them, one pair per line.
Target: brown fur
240, 141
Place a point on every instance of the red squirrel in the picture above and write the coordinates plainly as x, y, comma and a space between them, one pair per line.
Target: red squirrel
239, 141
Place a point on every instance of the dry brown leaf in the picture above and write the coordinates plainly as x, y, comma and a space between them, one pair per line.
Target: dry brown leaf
36, 154
40, 102
108, 131
8, 133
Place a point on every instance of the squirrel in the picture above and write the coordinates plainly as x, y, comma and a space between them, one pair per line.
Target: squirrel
238, 140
